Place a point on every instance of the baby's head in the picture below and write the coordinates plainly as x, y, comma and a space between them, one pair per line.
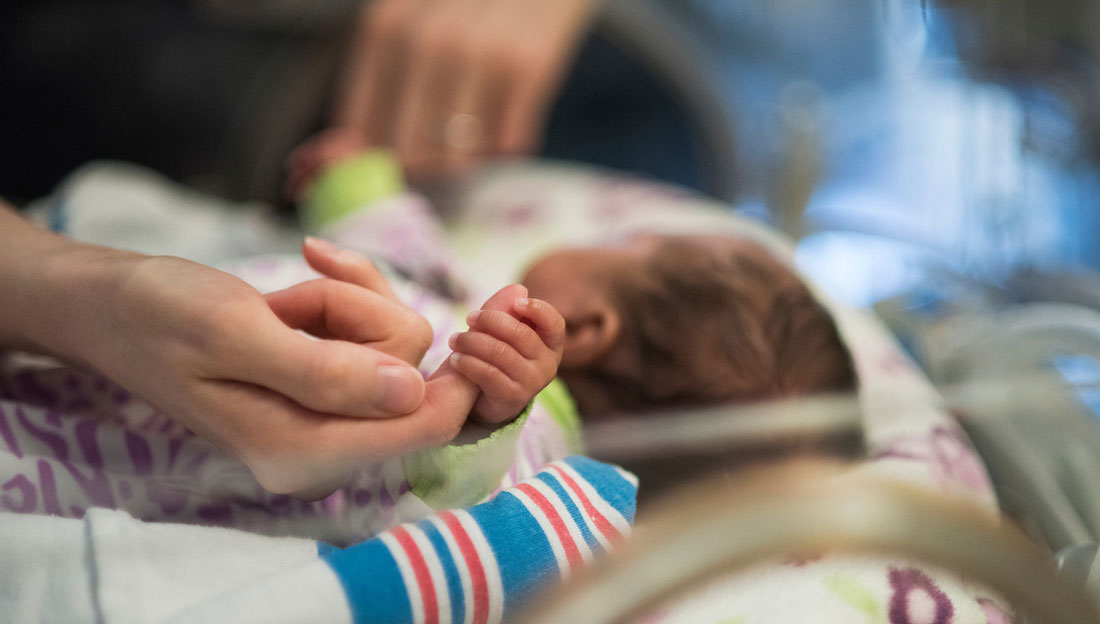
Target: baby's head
663, 321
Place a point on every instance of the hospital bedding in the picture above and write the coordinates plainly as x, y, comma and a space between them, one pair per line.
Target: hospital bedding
513, 213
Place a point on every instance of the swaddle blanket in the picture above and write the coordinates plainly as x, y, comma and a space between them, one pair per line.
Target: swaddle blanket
475, 565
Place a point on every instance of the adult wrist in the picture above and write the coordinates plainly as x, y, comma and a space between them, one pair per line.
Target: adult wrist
65, 289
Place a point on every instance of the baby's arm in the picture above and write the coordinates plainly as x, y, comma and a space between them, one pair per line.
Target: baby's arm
511, 354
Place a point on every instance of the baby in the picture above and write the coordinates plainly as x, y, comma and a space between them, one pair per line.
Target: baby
658, 322
651, 322
655, 322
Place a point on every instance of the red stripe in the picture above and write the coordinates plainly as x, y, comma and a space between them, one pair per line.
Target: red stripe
571, 552
473, 563
602, 523
423, 577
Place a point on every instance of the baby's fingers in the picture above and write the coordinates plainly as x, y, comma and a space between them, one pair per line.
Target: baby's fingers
492, 351
508, 329
490, 379
548, 322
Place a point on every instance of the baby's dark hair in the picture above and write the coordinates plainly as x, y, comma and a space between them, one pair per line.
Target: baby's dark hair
710, 328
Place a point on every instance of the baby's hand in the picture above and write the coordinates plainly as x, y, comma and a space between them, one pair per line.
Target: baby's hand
510, 356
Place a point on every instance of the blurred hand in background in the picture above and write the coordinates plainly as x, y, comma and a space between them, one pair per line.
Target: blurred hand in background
447, 84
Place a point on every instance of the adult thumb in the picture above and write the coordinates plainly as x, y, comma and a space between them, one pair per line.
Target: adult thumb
334, 376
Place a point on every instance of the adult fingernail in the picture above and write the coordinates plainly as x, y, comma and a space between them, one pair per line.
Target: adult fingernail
398, 389
350, 255
321, 244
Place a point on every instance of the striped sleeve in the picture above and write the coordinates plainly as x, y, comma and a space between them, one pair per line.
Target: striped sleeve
481, 564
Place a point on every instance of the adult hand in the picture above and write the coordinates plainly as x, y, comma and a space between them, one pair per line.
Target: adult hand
207, 349
355, 305
449, 83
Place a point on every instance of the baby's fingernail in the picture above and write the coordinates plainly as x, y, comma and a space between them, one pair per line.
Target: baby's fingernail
522, 302
455, 357
452, 341
398, 389
471, 318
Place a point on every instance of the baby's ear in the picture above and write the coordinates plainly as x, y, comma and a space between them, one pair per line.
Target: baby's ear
590, 332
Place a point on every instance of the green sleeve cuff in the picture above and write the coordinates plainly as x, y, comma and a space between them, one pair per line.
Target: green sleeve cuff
349, 185
460, 475
555, 398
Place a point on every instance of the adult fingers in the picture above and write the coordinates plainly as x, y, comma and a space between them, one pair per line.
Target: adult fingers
435, 60
469, 126
330, 376
375, 67
470, 129
524, 107
331, 309
346, 265
543, 41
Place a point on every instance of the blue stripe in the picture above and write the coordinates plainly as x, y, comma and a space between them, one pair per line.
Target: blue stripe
574, 511
454, 584
522, 550
611, 486
372, 583
325, 549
